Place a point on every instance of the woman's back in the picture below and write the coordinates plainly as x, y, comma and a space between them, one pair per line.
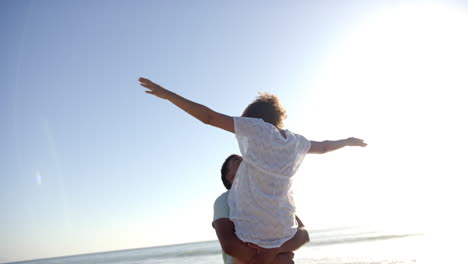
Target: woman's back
262, 206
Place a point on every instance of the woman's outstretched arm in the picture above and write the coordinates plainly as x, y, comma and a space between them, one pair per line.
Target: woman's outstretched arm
331, 145
200, 112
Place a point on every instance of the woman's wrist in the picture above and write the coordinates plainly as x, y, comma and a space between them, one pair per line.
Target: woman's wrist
342, 143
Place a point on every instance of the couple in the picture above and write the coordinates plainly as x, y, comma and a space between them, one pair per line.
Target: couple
260, 203
236, 251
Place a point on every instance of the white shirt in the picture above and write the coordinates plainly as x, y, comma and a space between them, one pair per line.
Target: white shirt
261, 199
221, 210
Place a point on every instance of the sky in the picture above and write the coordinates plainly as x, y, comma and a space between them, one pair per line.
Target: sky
90, 163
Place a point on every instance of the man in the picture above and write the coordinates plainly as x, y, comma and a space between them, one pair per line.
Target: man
236, 251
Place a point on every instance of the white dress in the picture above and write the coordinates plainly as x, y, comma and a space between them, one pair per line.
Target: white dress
261, 200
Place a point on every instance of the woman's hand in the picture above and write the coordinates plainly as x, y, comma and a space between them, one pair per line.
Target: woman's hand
355, 142
154, 89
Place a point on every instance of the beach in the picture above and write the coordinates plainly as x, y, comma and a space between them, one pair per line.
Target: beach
344, 245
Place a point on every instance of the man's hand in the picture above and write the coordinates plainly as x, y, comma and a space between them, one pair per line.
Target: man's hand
264, 255
355, 142
154, 89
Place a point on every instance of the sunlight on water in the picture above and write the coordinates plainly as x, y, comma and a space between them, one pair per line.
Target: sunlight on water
404, 250
346, 245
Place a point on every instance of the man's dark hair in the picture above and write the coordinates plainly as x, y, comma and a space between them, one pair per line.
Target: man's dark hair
224, 171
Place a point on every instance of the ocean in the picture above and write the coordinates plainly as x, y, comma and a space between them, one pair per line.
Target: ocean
347, 245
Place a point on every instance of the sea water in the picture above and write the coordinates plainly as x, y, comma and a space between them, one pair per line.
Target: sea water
338, 245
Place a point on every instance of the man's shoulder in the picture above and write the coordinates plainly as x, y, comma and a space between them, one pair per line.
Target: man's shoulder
222, 198
221, 206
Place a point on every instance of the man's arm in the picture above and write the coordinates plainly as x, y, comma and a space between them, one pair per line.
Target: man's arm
239, 250
331, 145
299, 222
200, 112
298, 240
230, 243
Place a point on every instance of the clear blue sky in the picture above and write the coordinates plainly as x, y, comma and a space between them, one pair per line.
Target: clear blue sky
89, 162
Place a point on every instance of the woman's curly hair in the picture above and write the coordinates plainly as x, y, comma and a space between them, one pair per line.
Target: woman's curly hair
267, 107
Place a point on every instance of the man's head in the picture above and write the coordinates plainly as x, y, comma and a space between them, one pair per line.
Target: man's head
267, 107
229, 169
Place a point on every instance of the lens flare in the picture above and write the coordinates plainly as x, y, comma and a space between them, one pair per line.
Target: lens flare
38, 178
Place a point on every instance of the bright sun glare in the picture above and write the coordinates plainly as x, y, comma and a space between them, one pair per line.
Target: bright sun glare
398, 81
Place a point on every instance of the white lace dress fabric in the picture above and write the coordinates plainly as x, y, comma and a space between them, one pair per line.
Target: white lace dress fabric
261, 200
